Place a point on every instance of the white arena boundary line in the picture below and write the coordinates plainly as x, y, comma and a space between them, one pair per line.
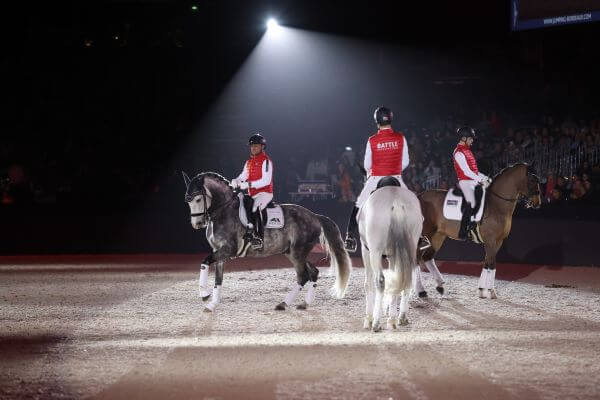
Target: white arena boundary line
398, 338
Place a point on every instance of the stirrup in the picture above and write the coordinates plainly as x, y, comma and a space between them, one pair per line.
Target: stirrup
257, 243
424, 243
350, 244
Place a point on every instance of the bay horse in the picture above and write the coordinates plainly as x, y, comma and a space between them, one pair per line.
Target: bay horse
513, 183
390, 226
214, 206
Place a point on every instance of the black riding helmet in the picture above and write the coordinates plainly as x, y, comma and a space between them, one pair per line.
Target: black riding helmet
466, 131
257, 138
383, 116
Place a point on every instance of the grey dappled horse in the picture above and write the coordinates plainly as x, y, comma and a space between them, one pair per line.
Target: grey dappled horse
390, 225
214, 206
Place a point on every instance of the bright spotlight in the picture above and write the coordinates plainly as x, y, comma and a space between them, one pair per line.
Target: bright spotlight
272, 24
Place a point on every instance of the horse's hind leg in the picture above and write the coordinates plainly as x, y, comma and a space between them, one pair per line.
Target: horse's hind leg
393, 312
313, 275
403, 318
298, 258
379, 281
368, 288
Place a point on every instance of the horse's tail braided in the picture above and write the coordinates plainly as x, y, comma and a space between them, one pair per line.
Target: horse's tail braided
331, 240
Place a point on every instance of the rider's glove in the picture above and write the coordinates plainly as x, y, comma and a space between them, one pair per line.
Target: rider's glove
234, 183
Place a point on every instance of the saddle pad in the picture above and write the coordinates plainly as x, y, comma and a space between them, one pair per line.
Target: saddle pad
274, 216
453, 206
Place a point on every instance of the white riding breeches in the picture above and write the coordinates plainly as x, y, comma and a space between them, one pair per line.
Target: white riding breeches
370, 185
261, 200
468, 189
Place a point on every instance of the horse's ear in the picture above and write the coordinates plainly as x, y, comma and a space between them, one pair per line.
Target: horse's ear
186, 179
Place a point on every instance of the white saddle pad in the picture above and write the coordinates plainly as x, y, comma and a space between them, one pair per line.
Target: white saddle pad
274, 216
453, 204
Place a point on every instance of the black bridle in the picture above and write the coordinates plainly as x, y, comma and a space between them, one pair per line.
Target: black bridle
530, 193
210, 212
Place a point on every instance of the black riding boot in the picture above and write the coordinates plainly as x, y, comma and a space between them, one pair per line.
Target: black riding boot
259, 231
465, 223
352, 232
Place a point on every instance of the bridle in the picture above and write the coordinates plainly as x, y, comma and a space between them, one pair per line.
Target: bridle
530, 193
210, 212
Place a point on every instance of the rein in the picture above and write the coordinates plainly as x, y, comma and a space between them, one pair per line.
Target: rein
537, 192
503, 198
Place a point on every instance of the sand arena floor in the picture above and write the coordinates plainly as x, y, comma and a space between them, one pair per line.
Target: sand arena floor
137, 330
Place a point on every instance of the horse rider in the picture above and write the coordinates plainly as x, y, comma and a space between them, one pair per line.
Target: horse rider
257, 177
468, 176
386, 155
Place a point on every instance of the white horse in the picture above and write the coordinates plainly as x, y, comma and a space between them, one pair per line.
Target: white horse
390, 224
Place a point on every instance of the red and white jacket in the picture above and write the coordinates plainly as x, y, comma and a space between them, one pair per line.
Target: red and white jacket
257, 175
386, 153
465, 164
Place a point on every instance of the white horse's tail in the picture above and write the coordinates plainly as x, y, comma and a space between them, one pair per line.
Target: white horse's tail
331, 240
404, 233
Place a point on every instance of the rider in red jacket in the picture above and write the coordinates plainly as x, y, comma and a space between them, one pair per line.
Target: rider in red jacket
257, 177
386, 154
468, 175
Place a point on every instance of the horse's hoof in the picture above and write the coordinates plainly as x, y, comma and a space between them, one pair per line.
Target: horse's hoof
440, 290
281, 306
302, 306
376, 327
402, 320
391, 324
492, 294
482, 293
367, 323
423, 294
207, 310
205, 298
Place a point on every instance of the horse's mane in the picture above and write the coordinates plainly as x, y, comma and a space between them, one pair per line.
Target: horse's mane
508, 167
215, 175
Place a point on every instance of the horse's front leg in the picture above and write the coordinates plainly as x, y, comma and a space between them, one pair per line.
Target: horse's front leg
435, 273
488, 272
203, 287
216, 294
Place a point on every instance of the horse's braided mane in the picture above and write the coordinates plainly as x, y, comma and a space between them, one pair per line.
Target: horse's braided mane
215, 175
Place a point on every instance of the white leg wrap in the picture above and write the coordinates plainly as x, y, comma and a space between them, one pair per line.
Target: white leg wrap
404, 302
216, 298
435, 272
291, 296
393, 307
490, 278
418, 281
203, 282
377, 307
310, 294
483, 278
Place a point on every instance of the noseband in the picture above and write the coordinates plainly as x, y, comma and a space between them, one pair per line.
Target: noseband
190, 197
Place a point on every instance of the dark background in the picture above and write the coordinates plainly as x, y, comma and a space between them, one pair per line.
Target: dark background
104, 103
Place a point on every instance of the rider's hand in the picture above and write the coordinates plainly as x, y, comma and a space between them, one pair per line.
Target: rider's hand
234, 183
243, 185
